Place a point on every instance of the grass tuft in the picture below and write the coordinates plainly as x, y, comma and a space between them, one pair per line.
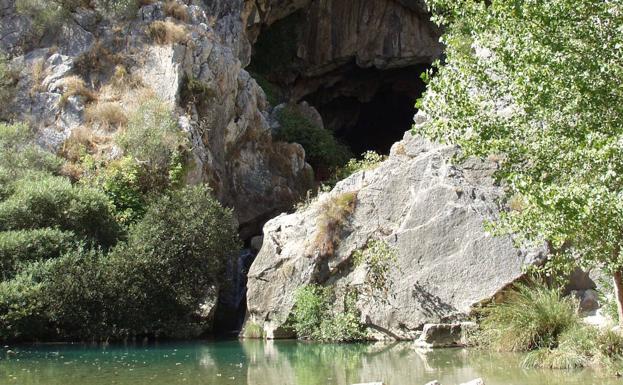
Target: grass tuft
167, 32
333, 216
176, 10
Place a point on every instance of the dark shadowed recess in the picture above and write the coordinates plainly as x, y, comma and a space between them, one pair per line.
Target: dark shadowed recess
370, 109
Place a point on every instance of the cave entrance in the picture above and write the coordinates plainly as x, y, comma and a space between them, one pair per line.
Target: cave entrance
370, 109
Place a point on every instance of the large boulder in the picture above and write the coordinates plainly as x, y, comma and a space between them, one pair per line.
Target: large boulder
430, 211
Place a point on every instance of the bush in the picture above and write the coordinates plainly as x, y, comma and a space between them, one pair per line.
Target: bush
312, 317
173, 257
529, 319
121, 181
8, 79
369, 161
378, 257
45, 14
22, 315
19, 155
107, 115
176, 10
334, 213
166, 32
17, 248
52, 202
154, 140
322, 150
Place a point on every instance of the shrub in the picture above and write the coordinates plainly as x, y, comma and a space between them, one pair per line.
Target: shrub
253, 331
174, 9
106, 115
45, 14
120, 180
312, 317
52, 202
18, 248
369, 161
22, 309
322, 150
98, 59
19, 154
529, 319
152, 135
167, 32
8, 80
121, 8
75, 86
173, 257
334, 213
378, 257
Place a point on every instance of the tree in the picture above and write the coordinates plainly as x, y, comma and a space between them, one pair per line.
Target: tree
537, 84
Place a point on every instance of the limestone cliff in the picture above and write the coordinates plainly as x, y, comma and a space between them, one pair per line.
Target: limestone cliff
429, 211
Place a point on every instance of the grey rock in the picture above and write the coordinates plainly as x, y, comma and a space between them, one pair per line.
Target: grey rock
430, 211
478, 381
589, 301
433, 383
444, 335
256, 243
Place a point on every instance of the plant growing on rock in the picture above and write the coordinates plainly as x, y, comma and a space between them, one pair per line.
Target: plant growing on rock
8, 79
378, 257
322, 150
167, 32
333, 215
313, 318
533, 82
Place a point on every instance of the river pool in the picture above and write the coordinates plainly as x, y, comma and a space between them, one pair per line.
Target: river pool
269, 363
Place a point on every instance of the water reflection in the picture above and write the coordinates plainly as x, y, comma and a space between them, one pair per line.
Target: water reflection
269, 363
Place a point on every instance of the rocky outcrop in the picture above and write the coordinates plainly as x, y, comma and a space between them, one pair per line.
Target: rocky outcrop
429, 211
227, 121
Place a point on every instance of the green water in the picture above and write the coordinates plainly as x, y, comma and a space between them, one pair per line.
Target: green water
269, 363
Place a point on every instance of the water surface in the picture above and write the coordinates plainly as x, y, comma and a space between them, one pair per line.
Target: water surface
270, 363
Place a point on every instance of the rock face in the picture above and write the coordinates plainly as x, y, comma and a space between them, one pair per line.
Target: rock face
232, 146
429, 211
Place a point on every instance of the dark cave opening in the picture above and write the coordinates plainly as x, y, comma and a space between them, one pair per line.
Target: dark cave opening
370, 109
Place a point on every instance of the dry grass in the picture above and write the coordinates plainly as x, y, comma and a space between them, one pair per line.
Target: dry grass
108, 116
334, 214
75, 86
38, 72
176, 10
167, 32
81, 142
96, 60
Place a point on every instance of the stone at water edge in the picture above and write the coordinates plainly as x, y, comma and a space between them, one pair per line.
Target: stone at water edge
444, 335
433, 383
477, 381
370, 383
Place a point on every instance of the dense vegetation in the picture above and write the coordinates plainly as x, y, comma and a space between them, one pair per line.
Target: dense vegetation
312, 317
123, 251
540, 321
536, 84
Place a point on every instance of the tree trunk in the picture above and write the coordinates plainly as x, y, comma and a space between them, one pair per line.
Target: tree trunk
618, 294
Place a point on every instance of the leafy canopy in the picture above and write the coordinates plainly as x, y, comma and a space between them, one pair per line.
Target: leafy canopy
537, 84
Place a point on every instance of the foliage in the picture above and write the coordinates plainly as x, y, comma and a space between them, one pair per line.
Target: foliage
153, 283
528, 319
322, 150
276, 48
17, 248
172, 258
8, 79
167, 32
370, 160
379, 258
253, 331
333, 215
53, 202
537, 84
22, 308
19, 155
157, 145
121, 182
176, 10
45, 14
273, 93
312, 317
